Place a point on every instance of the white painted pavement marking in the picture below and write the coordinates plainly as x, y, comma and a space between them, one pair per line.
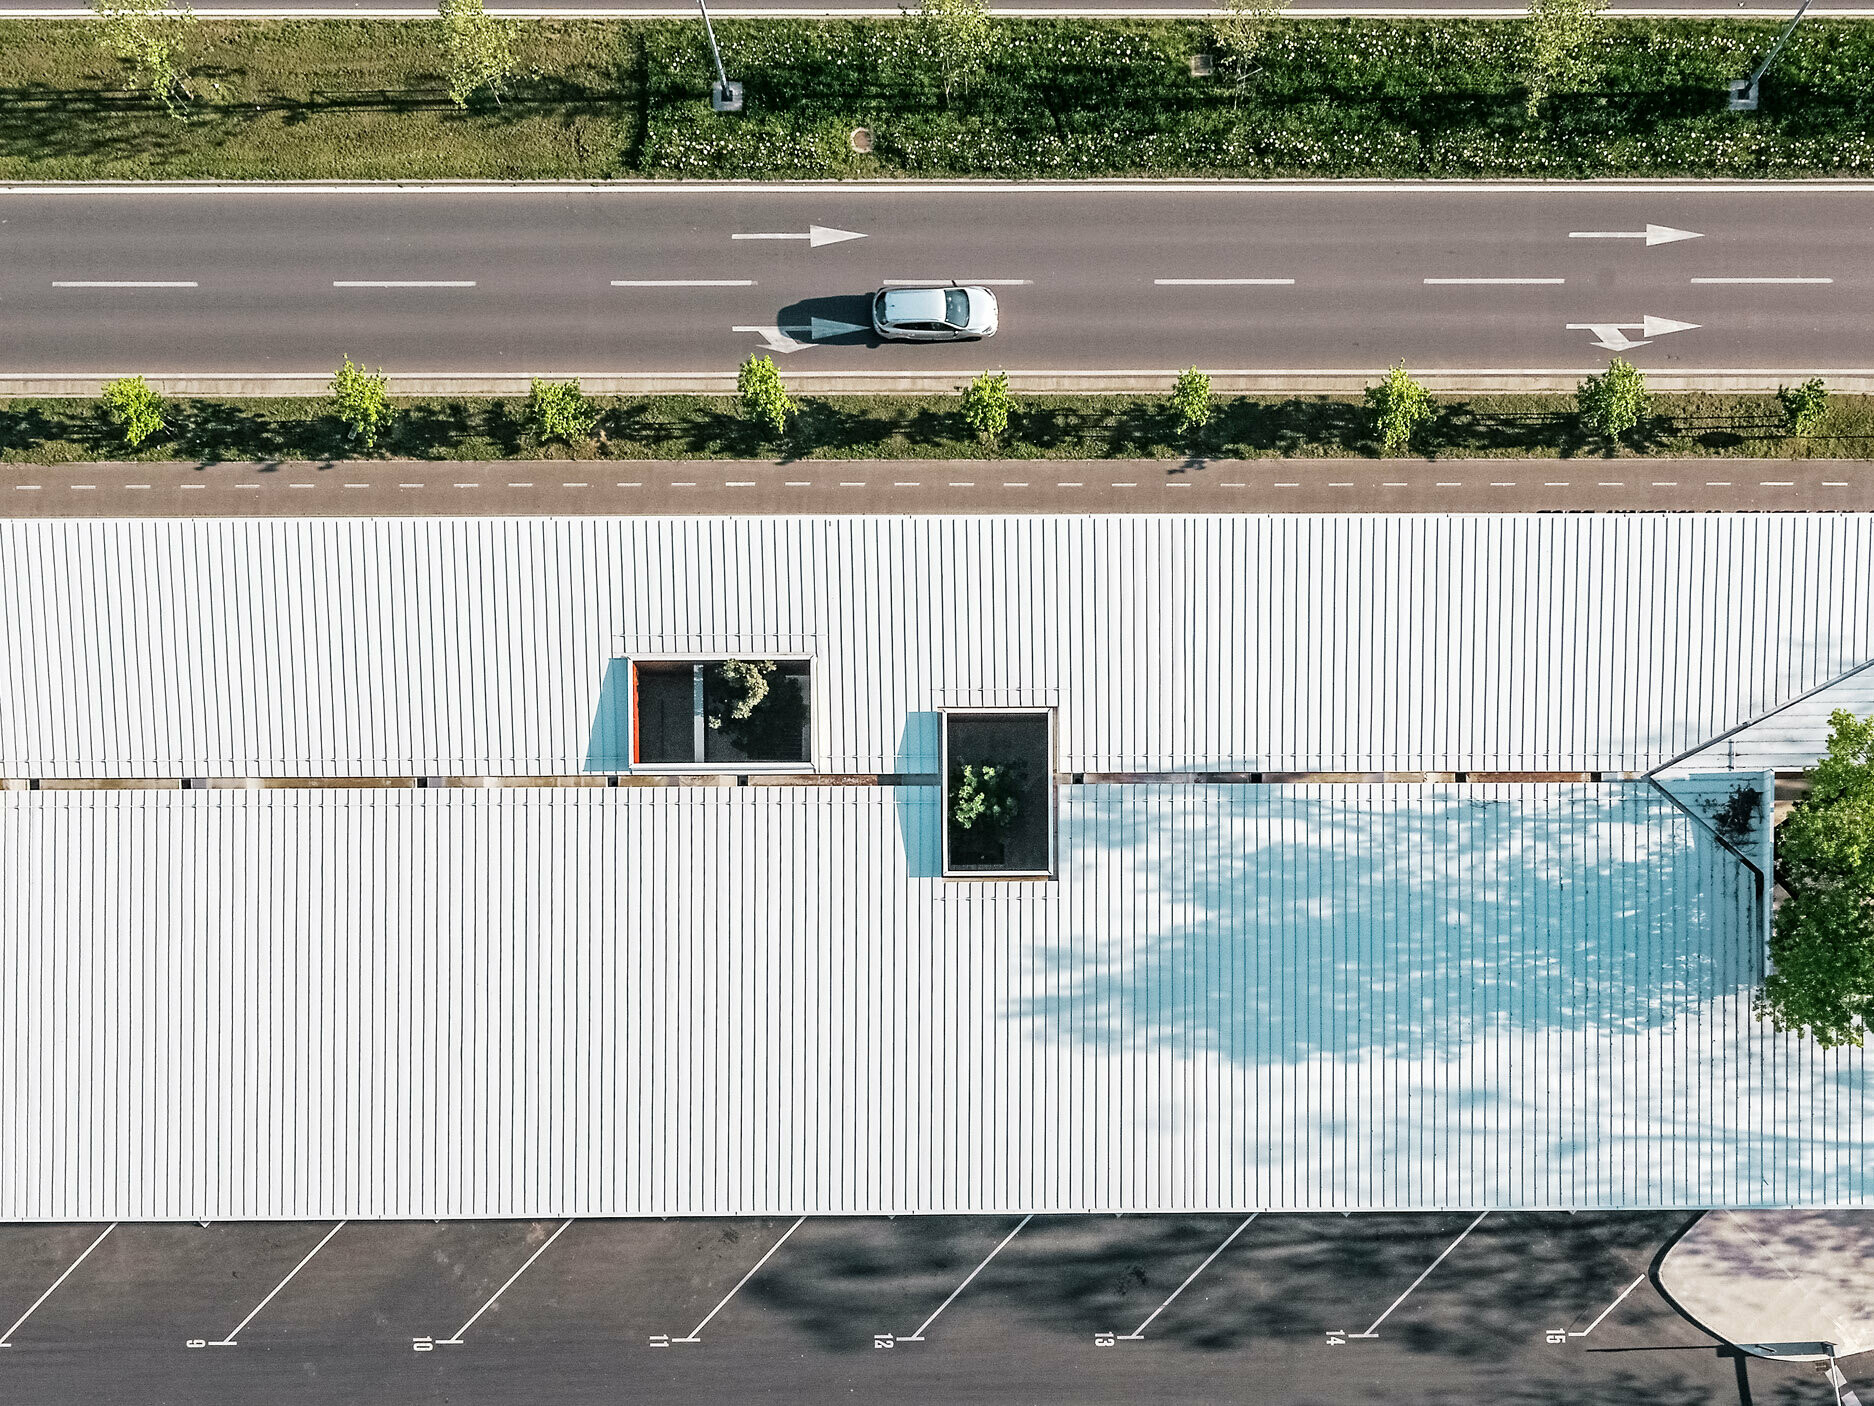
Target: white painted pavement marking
1558, 485
1612, 335
406, 283
778, 339
1652, 234
635, 483
1138, 1333
907, 485
798, 483
1125, 485
1348, 484
183, 487
468, 485
26, 488
918, 1336
234, 1332
1186, 485
455, 1338
683, 283
254, 486
1776, 483
520, 485
1395, 485
816, 235
409, 485
1844, 1395
1717, 483
125, 283
6, 1337
1279, 485
348, 485
1459, 483
1609, 1309
302, 485
1373, 1331
696, 1333
1245, 485
1223, 282
1015, 485
1612, 485
973, 282
575, 485
136, 485
1509, 483
83, 487
970, 484
739, 483
1076, 484
1490, 282
1832, 483
684, 483
1665, 483
1763, 280
852, 485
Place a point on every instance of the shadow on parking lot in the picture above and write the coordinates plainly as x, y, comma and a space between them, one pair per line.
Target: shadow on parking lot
841, 321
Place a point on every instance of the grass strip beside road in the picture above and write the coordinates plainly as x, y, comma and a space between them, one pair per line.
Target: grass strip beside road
366, 99
56, 431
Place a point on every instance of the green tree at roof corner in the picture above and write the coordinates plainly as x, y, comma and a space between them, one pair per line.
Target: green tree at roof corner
1822, 942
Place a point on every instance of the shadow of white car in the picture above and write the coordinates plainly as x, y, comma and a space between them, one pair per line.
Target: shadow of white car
938, 313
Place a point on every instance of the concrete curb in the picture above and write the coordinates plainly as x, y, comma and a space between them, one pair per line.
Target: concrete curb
1231, 382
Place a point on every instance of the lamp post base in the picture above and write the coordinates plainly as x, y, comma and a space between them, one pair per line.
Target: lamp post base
725, 97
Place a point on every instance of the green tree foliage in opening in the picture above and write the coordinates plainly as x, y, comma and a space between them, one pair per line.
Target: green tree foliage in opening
1803, 406
959, 34
362, 400
1400, 405
130, 404
764, 399
1241, 27
736, 687
987, 405
1822, 944
478, 48
1561, 32
988, 795
1191, 402
1614, 401
757, 707
149, 35
560, 410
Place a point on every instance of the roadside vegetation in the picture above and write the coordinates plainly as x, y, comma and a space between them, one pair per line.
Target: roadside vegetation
1569, 94
557, 423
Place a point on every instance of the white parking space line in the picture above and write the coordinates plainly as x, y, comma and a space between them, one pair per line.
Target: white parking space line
235, 1331
1489, 282
407, 283
696, 1333
455, 1338
1763, 280
126, 283
683, 283
1223, 282
7, 1337
1609, 1309
1373, 1330
918, 1336
1138, 1333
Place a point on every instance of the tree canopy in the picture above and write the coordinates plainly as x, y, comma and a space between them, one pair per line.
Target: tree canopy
1822, 943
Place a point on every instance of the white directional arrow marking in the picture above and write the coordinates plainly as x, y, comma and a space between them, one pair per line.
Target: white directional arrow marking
1652, 234
815, 236
1613, 335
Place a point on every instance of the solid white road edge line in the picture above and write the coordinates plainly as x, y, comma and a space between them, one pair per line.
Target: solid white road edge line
942, 187
1489, 282
1763, 280
683, 283
1223, 282
122, 283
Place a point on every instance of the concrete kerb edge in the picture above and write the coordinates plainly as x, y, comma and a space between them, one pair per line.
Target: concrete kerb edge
874, 383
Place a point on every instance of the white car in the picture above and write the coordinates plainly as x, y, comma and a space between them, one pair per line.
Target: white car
940, 313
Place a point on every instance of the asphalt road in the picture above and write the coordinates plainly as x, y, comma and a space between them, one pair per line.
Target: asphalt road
1289, 278
412, 489
1521, 1309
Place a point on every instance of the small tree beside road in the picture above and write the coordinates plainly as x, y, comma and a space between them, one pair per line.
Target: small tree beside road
958, 34
1191, 402
478, 48
1614, 401
987, 405
362, 400
1400, 405
131, 405
1241, 28
764, 399
149, 35
1560, 35
560, 410
1822, 940
1803, 406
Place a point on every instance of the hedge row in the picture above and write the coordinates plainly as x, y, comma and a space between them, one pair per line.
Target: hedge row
925, 427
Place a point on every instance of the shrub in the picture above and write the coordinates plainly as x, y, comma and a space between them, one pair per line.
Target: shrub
987, 405
764, 399
361, 399
1614, 401
1190, 400
1803, 406
958, 35
560, 410
1400, 405
148, 35
131, 404
478, 48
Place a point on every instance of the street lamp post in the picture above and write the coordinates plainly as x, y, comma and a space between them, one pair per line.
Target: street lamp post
725, 96
1744, 90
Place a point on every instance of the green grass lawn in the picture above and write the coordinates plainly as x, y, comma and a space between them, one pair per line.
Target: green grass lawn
363, 98
914, 427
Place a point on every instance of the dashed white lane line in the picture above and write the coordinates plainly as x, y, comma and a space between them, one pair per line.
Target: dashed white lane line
1288, 485
684, 483
683, 283
1237, 485
1717, 483
409, 485
798, 483
26, 488
635, 483
907, 485
84, 487
1395, 485
1458, 484
1558, 485
1186, 485
1665, 483
1510, 483
125, 283
1125, 485
348, 485
136, 485
254, 486
467, 485
1330, 485
302, 485
1831, 483
520, 485
575, 485
970, 484
406, 283
852, 485
1763, 280
728, 483
1223, 282
1776, 483
1612, 485
1489, 282
1076, 484
185, 487
1016, 485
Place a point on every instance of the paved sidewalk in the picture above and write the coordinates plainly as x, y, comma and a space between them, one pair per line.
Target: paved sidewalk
401, 488
1778, 1283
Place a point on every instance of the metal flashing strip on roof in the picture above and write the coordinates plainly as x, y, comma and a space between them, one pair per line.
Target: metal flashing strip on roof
428, 1003
1280, 643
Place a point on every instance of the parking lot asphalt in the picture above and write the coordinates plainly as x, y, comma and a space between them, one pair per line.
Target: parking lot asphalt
1433, 1308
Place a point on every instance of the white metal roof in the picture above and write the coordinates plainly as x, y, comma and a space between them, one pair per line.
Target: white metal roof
324, 1003
1260, 643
